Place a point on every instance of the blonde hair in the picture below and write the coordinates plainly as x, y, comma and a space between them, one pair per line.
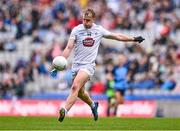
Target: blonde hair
89, 13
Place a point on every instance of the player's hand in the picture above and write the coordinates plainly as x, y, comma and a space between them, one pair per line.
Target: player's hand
53, 73
139, 39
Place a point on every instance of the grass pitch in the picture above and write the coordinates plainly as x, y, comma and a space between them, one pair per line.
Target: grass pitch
51, 123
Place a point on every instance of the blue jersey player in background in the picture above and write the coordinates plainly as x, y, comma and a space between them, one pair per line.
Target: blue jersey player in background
120, 75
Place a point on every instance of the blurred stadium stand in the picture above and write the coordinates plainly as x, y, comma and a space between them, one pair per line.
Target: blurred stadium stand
33, 32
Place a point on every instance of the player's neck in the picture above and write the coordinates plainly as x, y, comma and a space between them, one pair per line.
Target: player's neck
88, 27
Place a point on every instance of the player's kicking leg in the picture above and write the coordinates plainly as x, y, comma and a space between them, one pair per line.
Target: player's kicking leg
79, 81
83, 95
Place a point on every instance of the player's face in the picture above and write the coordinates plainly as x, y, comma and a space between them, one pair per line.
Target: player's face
87, 22
122, 60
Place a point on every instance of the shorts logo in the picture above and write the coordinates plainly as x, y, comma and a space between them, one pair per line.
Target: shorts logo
88, 42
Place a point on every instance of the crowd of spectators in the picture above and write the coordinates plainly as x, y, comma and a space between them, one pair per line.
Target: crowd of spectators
49, 22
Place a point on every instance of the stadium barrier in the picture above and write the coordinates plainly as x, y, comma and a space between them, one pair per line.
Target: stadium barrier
137, 109
80, 109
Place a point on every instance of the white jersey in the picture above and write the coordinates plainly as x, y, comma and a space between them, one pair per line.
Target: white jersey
87, 42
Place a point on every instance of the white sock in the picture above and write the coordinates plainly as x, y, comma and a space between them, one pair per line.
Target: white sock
65, 111
93, 105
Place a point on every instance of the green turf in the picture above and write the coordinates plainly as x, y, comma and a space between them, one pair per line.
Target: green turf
49, 123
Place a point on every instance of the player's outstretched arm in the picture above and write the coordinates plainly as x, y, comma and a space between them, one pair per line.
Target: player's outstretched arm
125, 38
67, 51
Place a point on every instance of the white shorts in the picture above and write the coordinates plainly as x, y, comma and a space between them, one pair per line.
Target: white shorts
88, 68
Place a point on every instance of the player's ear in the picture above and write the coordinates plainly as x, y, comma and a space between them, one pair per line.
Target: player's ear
93, 19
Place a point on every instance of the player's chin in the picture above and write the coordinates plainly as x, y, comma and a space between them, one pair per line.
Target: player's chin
87, 26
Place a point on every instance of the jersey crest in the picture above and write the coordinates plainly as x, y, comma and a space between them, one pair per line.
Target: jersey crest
88, 41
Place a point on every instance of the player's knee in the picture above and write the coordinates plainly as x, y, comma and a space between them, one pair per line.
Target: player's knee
75, 87
120, 101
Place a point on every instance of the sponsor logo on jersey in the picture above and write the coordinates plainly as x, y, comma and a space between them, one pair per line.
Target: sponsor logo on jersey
88, 42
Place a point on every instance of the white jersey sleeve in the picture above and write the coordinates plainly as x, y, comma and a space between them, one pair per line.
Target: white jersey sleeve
73, 33
104, 31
